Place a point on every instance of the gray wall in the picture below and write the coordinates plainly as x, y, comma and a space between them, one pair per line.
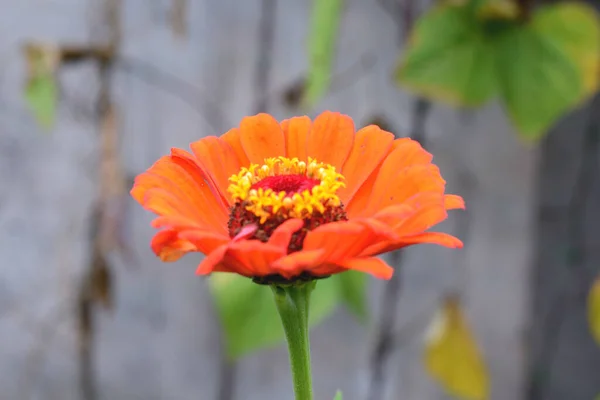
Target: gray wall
161, 341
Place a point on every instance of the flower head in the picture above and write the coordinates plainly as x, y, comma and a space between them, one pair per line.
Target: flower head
299, 199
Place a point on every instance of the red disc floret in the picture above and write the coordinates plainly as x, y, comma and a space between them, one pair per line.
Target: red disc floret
290, 184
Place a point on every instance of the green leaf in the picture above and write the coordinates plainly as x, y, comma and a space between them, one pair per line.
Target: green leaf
321, 48
41, 95
353, 289
537, 82
449, 58
575, 29
248, 315
338, 395
548, 67
41, 90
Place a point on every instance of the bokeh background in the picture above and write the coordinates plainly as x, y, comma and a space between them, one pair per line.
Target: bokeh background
87, 311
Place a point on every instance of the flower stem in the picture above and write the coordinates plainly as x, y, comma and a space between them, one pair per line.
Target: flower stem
292, 304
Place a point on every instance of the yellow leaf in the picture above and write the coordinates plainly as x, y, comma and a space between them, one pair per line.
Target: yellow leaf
452, 356
594, 310
499, 9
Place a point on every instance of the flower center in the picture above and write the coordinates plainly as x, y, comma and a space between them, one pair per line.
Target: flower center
267, 195
290, 184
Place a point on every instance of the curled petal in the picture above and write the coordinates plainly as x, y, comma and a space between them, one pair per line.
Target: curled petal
371, 265
169, 247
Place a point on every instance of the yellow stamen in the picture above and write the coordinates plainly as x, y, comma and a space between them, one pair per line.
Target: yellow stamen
265, 203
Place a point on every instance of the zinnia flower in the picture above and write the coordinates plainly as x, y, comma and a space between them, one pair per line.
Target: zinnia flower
294, 200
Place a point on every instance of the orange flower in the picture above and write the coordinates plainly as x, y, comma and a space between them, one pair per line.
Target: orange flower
299, 199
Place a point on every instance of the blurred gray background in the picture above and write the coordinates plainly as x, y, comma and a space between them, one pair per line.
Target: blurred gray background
531, 229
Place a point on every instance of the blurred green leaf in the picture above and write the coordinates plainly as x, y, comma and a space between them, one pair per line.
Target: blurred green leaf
449, 58
248, 315
41, 91
321, 48
463, 53
41, 95
338, 395
546, 68
353, 289
575, 29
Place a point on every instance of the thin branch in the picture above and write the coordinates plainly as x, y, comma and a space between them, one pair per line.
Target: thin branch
385, 337
292, 96
578, 282
384, 343
266, 37
266, 34
185, 91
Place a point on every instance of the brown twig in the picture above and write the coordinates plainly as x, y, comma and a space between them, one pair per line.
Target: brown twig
578, 278
178, 17
384, 342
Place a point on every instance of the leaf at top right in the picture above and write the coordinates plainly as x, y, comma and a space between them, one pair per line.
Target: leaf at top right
548, 66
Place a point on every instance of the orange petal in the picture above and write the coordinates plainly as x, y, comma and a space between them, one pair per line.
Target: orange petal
331, 138
453, 202
253, 256
443, 239
261, 138
212, 260
342, 240
410, 152
247, 257
198, 173
393, 215
371, 265
357, 205
395, 187
293, 264
405, 152
296, 131
219, 160
232, 137
176, 222
421, 220
169, 247
168, 174
163, 202
148, 182
371, 145
283, 233
204, 241
326, 269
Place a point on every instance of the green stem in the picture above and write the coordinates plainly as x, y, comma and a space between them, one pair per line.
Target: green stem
292, 304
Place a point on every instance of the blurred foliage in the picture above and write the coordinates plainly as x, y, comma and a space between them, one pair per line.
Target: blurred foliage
353, 292
452, 356
594, 310
250, 320
321, 48
464, 53
338, 396
41, 89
